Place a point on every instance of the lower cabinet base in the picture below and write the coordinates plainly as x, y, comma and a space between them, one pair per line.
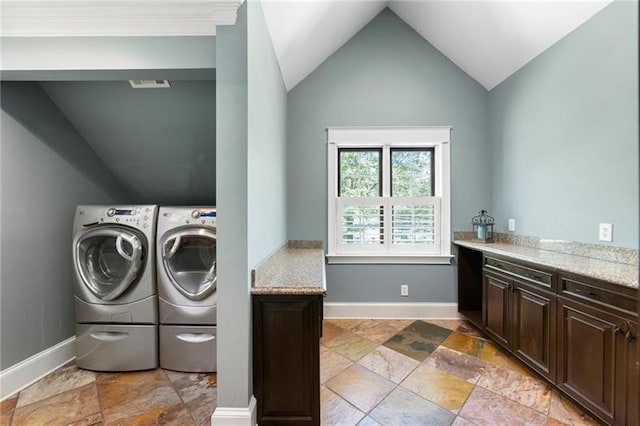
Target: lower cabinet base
286, 369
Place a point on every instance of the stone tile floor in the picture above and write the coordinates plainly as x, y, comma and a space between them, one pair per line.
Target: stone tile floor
373, 372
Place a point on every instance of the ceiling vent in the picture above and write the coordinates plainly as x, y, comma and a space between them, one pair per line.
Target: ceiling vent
149, 84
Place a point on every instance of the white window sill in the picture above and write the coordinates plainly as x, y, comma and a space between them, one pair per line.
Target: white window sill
366, 259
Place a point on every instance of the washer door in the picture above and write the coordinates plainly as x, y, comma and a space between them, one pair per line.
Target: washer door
109, 259
189, 259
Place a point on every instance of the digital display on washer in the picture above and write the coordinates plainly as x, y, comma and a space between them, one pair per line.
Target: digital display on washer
123, 212
208, 214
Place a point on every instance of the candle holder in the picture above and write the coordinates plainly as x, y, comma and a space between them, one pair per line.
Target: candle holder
483, 227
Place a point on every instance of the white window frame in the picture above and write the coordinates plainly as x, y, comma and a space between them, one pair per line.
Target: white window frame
436, 137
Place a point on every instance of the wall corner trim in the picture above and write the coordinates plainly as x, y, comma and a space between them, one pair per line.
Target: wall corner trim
425, 310
233, 416
32, 369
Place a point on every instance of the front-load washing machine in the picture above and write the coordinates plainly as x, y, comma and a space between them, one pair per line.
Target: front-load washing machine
115, 287
187, 298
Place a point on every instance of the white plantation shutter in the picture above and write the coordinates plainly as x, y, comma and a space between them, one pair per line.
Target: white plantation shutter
385, 228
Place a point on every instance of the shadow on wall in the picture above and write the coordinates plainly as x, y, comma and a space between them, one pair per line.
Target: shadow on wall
29, 105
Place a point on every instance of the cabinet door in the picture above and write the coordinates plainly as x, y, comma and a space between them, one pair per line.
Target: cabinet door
590, 352
286, 331
534, 328
496, 307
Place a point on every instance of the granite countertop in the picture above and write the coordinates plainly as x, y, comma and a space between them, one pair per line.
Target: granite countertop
617, 273
296, 268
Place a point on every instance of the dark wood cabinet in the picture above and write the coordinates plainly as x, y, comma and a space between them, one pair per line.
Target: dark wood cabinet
580, 333
599, 349
286, 364
497, 320
534, 328
520, 313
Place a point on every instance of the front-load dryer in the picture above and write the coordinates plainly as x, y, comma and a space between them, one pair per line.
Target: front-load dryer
187, 300
115, 287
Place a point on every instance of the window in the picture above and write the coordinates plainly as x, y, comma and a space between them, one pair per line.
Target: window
389, 195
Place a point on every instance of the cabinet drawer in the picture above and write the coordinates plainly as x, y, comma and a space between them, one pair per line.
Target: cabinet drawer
582, 290
535, 276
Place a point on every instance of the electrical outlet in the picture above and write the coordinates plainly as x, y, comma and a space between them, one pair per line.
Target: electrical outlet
404, 290
512, 225
606, 232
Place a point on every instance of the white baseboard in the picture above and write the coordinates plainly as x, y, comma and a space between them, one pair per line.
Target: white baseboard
32, 369
392, 310
229, 416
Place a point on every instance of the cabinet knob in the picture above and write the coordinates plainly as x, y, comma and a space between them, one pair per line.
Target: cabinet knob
618, 330
630, 337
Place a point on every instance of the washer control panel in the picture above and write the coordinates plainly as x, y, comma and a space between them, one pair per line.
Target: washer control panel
138, 216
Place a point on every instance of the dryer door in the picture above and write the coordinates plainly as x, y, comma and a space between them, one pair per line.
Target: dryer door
189, 259
109, 259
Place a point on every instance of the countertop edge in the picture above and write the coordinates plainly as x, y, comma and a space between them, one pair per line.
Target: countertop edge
629, 280
296, 268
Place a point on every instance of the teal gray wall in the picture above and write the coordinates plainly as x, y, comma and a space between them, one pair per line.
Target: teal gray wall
267, 142
251, 135
565, 135
387, 74
160, 143
47, 169
234, 314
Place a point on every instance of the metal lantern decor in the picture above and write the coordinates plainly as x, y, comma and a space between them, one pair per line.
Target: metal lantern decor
483, 227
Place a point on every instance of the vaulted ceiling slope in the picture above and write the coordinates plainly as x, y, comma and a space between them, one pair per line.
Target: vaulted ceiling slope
489, 40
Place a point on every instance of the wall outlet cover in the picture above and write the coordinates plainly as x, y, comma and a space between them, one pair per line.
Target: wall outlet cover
606, 232
512, 225
404, 290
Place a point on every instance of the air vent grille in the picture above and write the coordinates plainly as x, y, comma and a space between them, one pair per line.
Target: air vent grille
149, 84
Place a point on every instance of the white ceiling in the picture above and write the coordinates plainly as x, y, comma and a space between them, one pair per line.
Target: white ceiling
489, 40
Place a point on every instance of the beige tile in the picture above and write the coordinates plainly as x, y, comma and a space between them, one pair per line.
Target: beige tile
126, 396
553, 422
169, 415
398, 324
528, 391
461, 365
469, 329
64, 408
368, 421
485, 408
389, 364
331, 363
345, 323
61, 380
92, 420
459, 421
375, 330
335, 411
438, 386
566, 412
198, 391
329, 331
351, 345
402, 407
360, 387
470, 345
503, 359
448, 324
7, 408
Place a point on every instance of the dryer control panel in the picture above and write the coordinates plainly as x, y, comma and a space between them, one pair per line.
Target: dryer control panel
193, 216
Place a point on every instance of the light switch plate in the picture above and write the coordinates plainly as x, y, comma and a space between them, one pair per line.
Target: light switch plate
512, 225
606, 232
